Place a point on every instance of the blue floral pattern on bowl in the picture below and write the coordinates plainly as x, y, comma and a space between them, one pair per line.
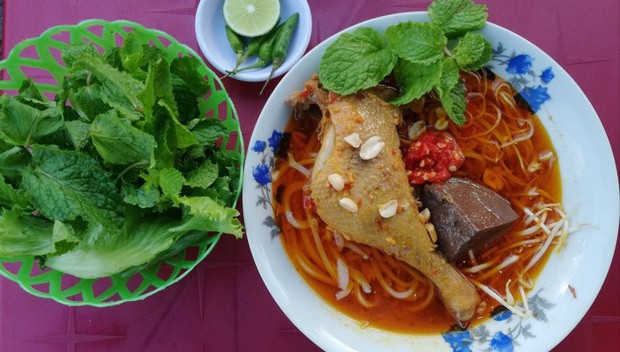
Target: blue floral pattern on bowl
523, 77
262, 175
522, 74
482, 338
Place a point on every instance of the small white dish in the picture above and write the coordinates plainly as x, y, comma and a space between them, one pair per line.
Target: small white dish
213, 43
590, 196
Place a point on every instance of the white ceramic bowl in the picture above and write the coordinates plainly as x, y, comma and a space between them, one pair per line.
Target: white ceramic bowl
590, 192
212, 40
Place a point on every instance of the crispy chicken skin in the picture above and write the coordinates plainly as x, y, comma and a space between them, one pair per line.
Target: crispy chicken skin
372, 183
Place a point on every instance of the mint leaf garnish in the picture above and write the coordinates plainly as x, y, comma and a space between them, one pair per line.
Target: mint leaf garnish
472, 51
415, 80
420, 43
356, 61
449, 76
456, 17
454, 103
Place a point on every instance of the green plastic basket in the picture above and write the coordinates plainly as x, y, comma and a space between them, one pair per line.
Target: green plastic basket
39, 59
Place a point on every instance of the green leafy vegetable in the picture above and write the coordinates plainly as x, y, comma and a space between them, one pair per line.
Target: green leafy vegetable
449, 76
208, 215
183, 136
171, 182
419, 43
120, 143
454, 103
88, 102
120, 170
140, 240
420, 56
456, 17
356, 61
185, 69
78, 133
204, 176
207, 131
10, 196
13, 162
71, 54
116, 84
23, 234
64, 185
415, 79
472, 52
147, 196
21, 124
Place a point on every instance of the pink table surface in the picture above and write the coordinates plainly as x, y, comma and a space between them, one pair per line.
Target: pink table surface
223, 305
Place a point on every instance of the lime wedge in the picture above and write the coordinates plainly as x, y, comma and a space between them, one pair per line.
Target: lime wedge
251, 18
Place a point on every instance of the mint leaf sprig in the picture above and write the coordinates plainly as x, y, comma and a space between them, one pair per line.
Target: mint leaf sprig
423, 57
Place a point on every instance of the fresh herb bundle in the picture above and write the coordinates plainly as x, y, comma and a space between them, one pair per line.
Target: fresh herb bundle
119, 169
423, 57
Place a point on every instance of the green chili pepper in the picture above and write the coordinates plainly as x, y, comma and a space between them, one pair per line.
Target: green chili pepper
281, 44
264, 53
235, 43
251, 49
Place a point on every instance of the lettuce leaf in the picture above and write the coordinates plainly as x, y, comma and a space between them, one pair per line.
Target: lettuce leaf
104, 253
143, 239
23, 234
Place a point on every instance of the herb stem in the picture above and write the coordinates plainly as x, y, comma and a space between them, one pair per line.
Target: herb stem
448, 52
130, 167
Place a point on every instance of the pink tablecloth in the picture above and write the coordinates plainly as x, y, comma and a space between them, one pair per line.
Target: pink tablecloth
223, 305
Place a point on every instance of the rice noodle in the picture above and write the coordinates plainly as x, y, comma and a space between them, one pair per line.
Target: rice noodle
361, 298
392, 292
296, 224
497, 136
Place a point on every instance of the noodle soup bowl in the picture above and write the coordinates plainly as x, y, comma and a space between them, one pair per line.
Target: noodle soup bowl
570, 280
